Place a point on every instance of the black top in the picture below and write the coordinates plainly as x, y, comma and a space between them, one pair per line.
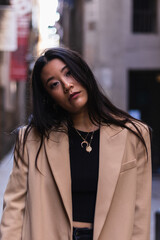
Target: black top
84, 175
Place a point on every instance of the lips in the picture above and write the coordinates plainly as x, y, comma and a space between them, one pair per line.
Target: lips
73, 95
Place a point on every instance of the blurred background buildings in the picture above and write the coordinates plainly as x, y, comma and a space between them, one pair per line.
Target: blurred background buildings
120, 40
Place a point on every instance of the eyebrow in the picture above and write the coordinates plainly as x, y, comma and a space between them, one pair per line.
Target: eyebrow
64, 68
51, 78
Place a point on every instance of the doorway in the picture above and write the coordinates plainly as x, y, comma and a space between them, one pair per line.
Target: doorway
144, 98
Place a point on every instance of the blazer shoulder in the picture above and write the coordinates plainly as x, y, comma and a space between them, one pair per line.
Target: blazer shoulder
135, 126
138, 126
30, 133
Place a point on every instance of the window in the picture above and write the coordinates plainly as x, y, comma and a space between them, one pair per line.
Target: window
144, 16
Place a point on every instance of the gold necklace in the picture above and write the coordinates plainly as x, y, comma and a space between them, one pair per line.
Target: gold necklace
88, 144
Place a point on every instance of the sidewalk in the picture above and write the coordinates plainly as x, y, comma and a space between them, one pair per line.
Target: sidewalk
6, 167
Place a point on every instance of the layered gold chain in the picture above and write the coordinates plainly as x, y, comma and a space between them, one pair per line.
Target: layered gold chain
88, 144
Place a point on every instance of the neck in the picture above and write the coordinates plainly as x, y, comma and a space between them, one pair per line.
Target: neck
82, 122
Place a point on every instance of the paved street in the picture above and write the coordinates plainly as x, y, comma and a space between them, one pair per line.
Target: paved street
5, 169
6, 166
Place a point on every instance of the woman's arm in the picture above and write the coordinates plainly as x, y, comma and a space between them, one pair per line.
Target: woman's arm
141, 230
15, 194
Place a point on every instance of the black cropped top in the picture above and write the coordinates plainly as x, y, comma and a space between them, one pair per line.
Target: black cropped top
84, 175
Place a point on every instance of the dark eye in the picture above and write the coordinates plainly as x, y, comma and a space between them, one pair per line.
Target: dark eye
68, 73
53, 85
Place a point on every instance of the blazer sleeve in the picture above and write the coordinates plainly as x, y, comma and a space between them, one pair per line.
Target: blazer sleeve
141, 230
14, 197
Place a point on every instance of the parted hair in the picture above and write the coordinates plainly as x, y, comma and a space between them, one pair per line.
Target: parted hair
46, 118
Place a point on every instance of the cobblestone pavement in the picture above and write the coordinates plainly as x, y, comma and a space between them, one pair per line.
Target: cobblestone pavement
6, 167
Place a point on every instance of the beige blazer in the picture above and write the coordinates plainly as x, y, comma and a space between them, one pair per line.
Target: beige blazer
38, 206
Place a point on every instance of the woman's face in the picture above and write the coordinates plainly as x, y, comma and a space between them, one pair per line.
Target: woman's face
63, 88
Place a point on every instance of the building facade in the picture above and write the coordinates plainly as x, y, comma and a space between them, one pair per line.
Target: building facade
17, 41
121, 42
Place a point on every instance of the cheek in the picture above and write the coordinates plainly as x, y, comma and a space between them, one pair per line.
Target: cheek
85, 95
55, 95
85, 98
59, 99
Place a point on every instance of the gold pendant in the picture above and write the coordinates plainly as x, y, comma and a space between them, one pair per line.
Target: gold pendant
88, 148
84, 142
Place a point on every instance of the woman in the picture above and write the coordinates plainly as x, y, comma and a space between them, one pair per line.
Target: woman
82, 167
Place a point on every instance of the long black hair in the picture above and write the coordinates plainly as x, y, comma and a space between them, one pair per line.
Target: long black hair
100, 109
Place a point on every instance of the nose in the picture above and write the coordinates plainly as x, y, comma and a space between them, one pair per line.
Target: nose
67, 86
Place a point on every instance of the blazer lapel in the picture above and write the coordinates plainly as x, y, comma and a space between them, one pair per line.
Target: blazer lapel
112, 143
111, 154
57, 151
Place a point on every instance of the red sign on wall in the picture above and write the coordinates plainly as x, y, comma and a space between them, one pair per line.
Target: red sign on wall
18, 63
